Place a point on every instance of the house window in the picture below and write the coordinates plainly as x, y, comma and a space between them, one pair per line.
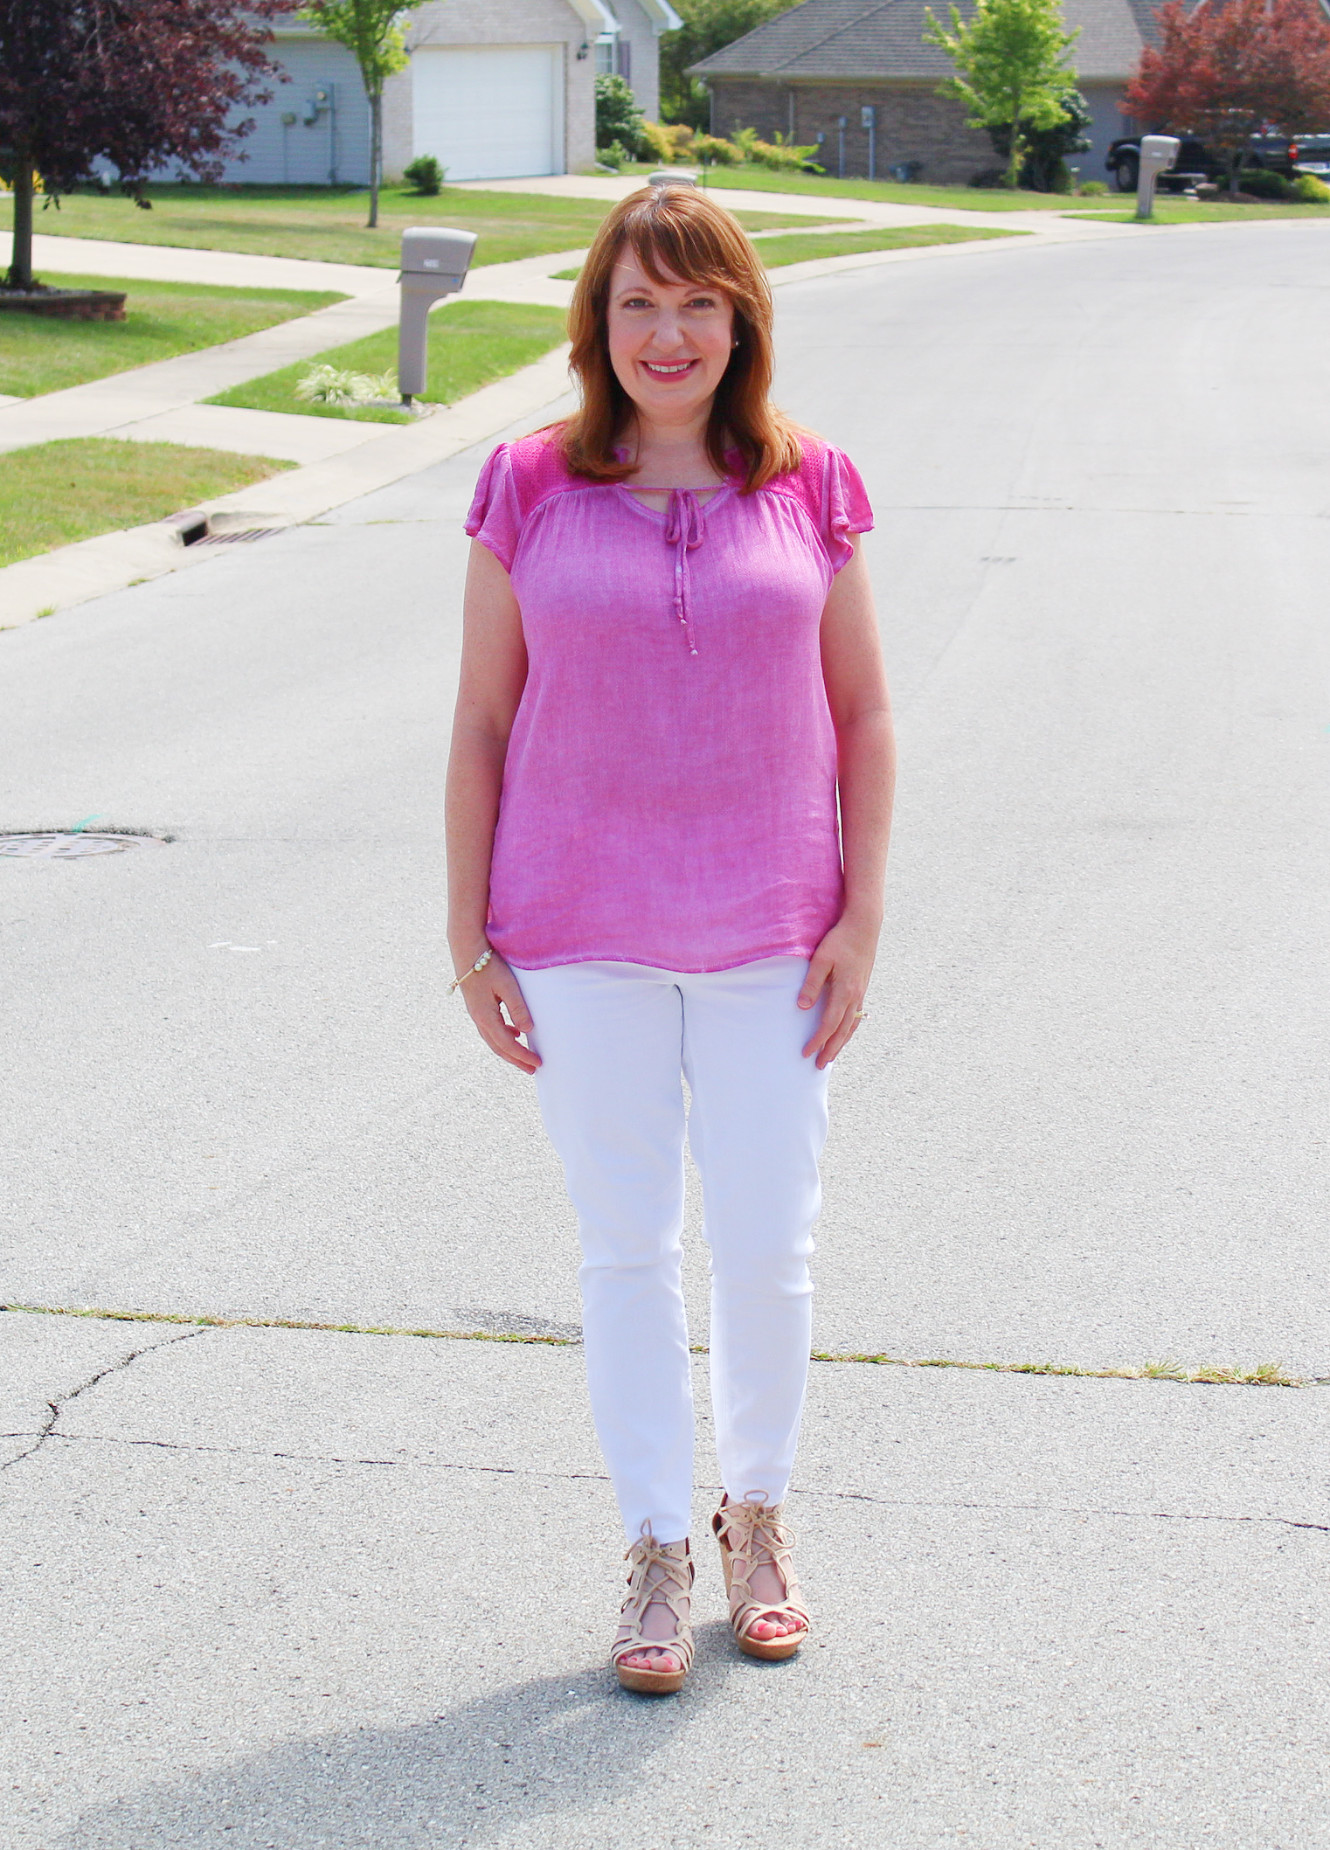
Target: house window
606, 64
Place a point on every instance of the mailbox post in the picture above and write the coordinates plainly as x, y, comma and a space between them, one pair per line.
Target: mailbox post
435, 261
1158, 153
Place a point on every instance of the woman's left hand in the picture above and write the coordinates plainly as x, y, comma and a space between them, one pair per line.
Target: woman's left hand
841, 965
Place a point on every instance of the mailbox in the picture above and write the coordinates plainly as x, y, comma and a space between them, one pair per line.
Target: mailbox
435, 260
1158, 154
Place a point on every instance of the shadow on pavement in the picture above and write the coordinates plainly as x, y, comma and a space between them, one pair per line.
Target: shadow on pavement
556, 1745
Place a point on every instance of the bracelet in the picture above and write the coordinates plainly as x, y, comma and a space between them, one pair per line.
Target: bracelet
479, 964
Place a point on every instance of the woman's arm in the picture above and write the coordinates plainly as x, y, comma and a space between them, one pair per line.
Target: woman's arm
492, 679
866, 774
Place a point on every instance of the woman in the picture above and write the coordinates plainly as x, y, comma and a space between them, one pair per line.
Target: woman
671, 683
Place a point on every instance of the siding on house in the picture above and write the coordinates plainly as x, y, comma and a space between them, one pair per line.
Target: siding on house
332, 147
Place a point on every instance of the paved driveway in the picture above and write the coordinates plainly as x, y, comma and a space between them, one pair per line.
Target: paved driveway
1087, 1126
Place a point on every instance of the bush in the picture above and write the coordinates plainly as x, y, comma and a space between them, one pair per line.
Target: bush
617, 116
1094, 189
615, 156
1259, 183
779, 154
666, 142
1310, 190
425, 173
1044, 163
331, 385
715, 151
988, 177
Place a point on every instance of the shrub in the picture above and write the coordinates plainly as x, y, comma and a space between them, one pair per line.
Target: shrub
330, 385
617, 116
715, 151
1094, 189
425, 173
1259, 183
779, 154
615, 156
1310, 190
666, 142
988, 176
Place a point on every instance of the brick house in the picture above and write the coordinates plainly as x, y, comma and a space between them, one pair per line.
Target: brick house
857, 76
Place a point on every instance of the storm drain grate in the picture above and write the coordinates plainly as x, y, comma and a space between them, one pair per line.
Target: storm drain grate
70, 844
231, 536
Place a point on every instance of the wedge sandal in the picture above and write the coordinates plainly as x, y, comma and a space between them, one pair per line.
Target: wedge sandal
752, 1535
655, 1577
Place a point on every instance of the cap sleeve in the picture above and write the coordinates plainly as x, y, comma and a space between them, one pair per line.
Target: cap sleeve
495, 518
845, 507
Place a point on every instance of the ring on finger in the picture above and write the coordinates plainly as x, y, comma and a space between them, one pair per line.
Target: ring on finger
860, 1015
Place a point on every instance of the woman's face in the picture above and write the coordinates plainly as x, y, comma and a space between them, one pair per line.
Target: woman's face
670, 342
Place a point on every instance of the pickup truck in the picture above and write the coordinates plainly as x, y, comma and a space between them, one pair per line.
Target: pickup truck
1274, 153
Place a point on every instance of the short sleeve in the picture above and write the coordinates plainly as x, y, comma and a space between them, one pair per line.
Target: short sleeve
845, 507
495, 518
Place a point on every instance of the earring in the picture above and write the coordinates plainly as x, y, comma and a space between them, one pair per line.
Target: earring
735, 342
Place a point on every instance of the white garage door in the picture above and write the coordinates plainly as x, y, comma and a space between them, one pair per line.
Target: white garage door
488, 112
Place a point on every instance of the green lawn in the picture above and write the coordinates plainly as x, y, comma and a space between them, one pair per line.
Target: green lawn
470, 344
1204, 212
888, 192
39, 354
55, 493
802, 247
328, 223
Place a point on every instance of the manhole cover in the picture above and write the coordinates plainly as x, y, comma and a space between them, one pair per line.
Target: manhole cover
66, 845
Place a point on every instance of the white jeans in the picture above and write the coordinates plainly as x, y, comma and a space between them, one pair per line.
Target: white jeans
614, 1039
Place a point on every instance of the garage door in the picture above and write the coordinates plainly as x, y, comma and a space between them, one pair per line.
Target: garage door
488, 112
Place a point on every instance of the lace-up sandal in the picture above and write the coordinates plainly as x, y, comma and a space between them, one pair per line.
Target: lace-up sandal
656, 1577
752, 1535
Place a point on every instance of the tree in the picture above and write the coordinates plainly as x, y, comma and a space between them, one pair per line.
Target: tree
373, 31
1012, 70
617, 116
138, 83
1046, 149
1226, 73
708, 25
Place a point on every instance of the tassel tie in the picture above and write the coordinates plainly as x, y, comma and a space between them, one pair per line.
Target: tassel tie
683, 531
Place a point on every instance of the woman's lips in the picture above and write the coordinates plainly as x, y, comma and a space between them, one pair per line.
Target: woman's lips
668, 369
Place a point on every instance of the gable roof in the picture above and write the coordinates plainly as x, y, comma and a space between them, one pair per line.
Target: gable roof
885, 38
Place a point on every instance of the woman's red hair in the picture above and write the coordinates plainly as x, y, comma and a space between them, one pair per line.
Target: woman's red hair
678, 234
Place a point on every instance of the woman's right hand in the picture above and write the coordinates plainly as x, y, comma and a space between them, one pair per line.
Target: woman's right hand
487, 994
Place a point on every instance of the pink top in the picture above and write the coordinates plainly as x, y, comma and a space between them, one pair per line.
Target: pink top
669, 794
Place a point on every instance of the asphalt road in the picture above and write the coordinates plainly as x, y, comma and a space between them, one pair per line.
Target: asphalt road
1085, 1124
260, 1590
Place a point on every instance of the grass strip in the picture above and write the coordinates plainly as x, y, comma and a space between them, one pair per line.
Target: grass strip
41, 354
1201, 212
886, 192
470, 344
781, 248
52, 494
327, 223
1267, 1374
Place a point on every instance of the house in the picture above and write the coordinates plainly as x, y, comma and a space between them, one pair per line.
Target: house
494, 89
858, 77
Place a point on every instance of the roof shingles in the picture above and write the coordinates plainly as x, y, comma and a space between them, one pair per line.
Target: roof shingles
858, 39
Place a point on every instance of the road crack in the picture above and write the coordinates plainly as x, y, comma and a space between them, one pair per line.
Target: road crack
47, 1430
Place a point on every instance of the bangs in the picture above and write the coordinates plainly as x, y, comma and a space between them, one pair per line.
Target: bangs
683, 251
